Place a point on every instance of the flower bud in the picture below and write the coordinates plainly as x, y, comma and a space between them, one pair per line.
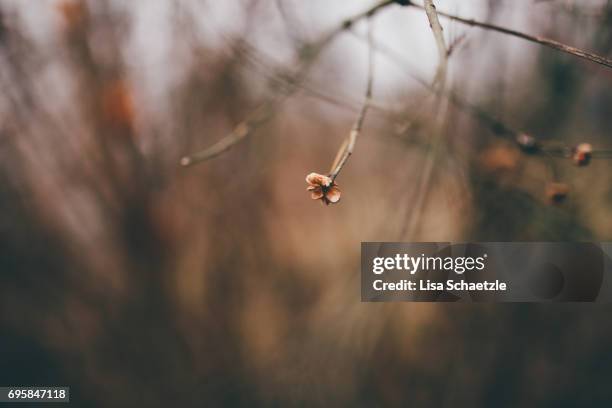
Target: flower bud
527, 142
581, 154
557, 192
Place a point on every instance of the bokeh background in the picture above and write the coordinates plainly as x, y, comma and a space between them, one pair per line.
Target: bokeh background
142, 283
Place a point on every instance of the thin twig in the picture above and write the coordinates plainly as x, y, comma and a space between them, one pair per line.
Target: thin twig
268, 67
266, 110
436, 28
437, 127
242, 130
356, 130
532, 38
292, 27
455, 44
339, 155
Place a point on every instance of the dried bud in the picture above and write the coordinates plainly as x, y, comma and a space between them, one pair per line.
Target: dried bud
557, 192
73, 13
581, 154
323, 188
527, 143
499, 159
117, 104
347, 24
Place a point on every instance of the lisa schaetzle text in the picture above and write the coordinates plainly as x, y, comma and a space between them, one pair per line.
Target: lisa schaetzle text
450, 285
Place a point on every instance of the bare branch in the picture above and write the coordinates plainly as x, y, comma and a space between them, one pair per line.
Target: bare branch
436, 28
532, 38
350, 143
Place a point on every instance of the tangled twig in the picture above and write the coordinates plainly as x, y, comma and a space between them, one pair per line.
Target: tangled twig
266, 110
527, 143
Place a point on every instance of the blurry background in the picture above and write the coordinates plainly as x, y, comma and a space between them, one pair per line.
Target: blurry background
139, 282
